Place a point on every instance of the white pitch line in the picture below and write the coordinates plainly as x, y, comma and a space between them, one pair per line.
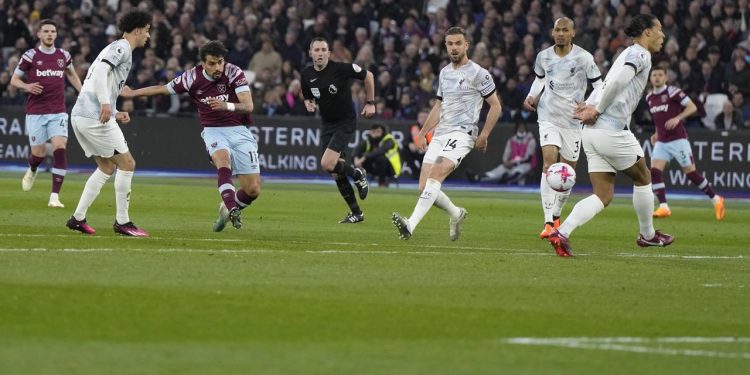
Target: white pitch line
473, 250
635, 344
260, 251
678, 256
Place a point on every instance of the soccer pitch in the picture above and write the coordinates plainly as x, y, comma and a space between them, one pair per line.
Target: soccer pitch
293, 291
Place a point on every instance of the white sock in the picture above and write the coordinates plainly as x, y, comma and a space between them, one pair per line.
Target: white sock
716, 199
122, 195
548, 199
643, 203
664, 205
583, 211
90, 192
560, 200
444, 203
426, 200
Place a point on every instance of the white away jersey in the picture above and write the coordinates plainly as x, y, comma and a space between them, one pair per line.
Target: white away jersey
617, 115
462, 92
566, 80
119, 57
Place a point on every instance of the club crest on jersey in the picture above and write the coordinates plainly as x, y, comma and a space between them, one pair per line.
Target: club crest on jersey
664, 97
39, 62
221, 87
572, 71
332, 89
60, 62
213, 145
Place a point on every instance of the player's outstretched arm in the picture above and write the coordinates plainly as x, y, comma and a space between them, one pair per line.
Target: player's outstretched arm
127, 92
492, 116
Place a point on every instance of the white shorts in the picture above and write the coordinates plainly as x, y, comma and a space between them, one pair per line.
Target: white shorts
678, 149
567, 139
97, 139
239, 141
453, 146
610, 150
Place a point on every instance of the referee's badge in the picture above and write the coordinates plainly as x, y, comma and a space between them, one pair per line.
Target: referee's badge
332, 89
315, 92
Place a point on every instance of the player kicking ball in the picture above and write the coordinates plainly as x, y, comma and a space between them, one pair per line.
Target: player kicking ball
222, 95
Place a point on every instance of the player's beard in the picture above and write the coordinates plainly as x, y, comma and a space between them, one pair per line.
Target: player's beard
457, 58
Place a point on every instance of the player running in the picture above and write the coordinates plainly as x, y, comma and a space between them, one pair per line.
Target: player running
563, 73
45, 69
669, 106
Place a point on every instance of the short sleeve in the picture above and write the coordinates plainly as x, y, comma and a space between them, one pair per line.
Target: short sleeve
180, 84
484, 83
538, 68
353, 71
26, 61
680, 97
237, 79
638, 59
68, 59
115, 54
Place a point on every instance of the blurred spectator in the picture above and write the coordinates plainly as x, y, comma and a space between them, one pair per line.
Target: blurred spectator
266, 58
729, 118
739, 102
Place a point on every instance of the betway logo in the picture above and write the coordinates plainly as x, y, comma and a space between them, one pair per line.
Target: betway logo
221, 98
49, 73
660, 108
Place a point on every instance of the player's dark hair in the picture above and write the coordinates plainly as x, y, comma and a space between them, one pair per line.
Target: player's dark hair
134, 20
319, 39
214, 48
455, 30
47, 21
638, 24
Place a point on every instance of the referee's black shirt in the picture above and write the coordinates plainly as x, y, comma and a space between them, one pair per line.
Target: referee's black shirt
331, 88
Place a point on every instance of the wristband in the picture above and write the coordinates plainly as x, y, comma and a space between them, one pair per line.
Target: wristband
230, 107
370, 102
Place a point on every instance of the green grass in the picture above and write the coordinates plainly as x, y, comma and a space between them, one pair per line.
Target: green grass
295, 292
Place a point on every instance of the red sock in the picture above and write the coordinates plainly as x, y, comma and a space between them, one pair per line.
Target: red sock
59, 169
657, 184
34, 161
226, 188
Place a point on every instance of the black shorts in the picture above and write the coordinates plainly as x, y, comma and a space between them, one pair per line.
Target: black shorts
338, 135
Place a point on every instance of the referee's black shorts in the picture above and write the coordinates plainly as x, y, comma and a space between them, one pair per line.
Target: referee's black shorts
337, 136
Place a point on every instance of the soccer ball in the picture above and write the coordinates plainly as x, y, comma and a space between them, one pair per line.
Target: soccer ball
560, 177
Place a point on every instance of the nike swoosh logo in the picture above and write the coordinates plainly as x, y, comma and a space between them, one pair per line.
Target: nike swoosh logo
313, 80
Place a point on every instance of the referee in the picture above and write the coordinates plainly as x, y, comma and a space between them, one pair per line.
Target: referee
327, 84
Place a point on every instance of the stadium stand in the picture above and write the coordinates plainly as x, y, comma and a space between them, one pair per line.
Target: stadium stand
706, 52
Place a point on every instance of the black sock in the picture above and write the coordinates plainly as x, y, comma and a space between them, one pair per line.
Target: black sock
345, 169
345, 188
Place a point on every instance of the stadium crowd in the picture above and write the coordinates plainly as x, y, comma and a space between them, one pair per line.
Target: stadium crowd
401, 42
